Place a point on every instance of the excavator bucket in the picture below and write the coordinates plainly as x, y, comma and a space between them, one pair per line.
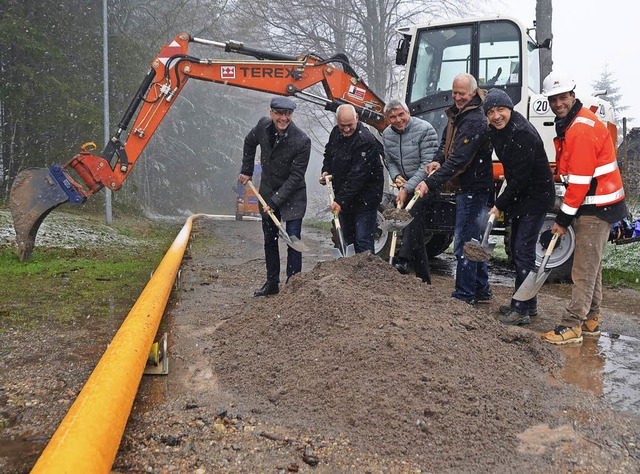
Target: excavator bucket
34, 194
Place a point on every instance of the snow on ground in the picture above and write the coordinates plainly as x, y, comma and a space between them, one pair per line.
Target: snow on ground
65, 230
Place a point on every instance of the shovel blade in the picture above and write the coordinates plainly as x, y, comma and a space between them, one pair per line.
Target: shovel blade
292, 241
395, 219
34, 194
531, 285
351, 251
336, 253
391, 225
476, 252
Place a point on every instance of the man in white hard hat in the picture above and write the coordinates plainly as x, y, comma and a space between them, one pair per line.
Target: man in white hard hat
593, 201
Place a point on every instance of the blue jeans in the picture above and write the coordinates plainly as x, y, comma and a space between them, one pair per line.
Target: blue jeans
471, 277
272, 252
360, 229
524, 236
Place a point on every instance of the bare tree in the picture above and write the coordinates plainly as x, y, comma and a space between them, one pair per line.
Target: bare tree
365, 30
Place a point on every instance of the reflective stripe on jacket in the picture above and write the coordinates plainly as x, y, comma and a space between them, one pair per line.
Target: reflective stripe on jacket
586, 161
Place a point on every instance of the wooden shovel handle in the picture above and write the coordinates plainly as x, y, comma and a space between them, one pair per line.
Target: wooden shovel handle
414, 199
264, 203
552, 244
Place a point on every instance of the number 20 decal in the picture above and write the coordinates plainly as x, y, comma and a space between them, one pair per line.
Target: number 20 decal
541, 106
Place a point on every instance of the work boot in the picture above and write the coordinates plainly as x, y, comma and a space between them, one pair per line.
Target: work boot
505, 309
470, 301
591, 327
269, 288
513, 318
563, 335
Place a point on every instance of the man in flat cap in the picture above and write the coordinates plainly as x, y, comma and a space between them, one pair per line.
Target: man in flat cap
284, 156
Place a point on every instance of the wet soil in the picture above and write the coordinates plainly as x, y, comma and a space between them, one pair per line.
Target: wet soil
476, 252
352, 367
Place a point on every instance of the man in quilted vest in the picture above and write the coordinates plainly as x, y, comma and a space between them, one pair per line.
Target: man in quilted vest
409, 145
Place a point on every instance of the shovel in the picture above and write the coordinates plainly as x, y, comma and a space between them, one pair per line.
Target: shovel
480, 251
532, 284
292, 241
397, 219
344, 250
403, 223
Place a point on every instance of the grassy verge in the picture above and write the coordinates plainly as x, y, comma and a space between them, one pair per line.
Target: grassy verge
61, 285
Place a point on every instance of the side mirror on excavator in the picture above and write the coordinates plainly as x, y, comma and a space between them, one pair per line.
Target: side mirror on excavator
402, 51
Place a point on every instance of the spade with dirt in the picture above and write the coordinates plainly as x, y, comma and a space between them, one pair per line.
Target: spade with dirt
397, 219
480, 251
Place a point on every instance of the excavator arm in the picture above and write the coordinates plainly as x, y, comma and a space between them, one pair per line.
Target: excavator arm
38, 191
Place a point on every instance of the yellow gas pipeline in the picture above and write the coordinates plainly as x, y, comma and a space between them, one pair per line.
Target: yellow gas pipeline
87, 440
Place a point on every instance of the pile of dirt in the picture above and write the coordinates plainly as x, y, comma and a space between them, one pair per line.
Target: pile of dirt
351, 368
411, 372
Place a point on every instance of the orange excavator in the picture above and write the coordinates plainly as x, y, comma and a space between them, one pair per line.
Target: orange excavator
38, 191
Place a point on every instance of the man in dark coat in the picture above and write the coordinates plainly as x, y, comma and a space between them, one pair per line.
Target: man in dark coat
463, 164
352, 157
528, 194
284, 157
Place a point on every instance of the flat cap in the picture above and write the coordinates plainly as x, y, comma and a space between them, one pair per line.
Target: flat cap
283, 103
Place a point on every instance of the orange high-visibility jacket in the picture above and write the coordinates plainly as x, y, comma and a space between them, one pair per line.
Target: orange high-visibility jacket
587, 154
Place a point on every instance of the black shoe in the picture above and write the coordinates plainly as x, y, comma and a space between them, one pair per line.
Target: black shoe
470, 301
484, 295
269, 288
505, 308
513, 318
401, 267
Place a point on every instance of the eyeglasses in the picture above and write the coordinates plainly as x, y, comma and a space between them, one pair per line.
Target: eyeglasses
285, 112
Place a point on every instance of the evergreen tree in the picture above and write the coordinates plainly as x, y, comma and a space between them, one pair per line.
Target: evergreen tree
607, 81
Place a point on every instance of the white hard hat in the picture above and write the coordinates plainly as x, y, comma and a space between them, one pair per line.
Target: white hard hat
557, 83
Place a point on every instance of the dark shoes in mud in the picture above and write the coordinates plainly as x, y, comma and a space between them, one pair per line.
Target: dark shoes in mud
513, 318
505, 308
269, 288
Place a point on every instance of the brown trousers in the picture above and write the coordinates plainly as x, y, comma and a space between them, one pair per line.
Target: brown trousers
592, 234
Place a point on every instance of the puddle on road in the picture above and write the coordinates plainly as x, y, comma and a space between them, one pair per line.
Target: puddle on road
609, 367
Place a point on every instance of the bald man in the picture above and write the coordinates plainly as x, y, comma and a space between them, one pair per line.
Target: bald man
352, 157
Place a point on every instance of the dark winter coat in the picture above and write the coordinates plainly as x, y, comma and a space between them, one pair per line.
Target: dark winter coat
408, 152
283, 166
354, 162
465, 151
519, 148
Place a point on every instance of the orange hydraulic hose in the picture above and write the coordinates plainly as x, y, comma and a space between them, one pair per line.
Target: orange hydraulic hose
88, 437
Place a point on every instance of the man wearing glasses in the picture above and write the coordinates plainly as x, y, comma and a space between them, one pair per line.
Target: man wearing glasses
284, 156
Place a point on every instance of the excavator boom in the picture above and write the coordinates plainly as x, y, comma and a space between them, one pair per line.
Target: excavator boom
36, 192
